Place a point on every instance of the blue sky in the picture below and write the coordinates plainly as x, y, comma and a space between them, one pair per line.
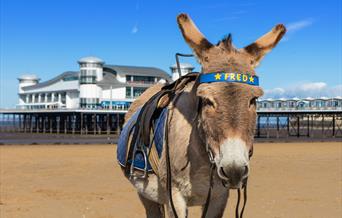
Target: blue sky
48, 37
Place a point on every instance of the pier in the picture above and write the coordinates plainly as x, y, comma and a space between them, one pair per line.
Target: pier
271, 124
96, 122
322, 124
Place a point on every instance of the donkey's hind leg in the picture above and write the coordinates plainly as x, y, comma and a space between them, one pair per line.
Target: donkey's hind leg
152, 208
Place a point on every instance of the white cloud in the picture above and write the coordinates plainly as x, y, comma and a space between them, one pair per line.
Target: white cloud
303, 90
135, 29
298, 25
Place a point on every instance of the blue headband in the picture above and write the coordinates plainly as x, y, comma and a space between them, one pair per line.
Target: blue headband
229, 77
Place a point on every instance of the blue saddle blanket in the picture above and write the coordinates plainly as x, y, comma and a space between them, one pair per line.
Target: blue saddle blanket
128, 129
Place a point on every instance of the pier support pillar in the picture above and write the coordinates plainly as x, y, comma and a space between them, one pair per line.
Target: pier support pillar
333, 126
107, 121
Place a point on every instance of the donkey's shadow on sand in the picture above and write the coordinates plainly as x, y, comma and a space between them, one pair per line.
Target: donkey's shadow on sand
206, 119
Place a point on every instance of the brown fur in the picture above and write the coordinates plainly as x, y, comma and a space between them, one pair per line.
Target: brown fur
227, 111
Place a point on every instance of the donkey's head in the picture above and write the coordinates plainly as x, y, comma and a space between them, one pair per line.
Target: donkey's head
227, 110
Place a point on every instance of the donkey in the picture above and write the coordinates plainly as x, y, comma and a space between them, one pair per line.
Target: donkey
207, 119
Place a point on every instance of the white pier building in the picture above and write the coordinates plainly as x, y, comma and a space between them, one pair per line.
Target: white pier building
95, 86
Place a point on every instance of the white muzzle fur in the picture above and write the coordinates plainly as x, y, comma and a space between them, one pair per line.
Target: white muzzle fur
233, 162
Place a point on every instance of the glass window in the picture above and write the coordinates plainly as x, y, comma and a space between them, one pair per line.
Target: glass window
143, 79
88, 80
128, 92
63, 96
49, 97
140, 79
128, 78
71, 78
88, 72
137, 91
90, 65
89, 102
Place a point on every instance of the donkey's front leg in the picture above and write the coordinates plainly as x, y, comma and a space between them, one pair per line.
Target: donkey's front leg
217, 206
179, 204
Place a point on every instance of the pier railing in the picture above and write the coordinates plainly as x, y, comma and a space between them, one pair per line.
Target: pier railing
322, 124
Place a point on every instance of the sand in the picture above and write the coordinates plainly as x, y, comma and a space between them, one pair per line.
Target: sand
287, 180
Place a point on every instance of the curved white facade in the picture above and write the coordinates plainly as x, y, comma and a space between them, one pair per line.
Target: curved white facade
91, 72
27, 80
95, 86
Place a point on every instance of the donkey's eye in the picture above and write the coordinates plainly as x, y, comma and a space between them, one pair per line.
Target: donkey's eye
207, 102
252, 102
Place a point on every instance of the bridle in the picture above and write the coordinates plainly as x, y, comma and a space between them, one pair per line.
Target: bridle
210, 78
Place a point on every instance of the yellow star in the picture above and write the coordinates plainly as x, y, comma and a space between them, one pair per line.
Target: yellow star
251, 79
218, 76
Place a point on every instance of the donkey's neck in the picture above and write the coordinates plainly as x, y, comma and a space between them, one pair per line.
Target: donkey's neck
184, 137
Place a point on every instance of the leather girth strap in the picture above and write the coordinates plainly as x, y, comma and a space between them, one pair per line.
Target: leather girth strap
141, 135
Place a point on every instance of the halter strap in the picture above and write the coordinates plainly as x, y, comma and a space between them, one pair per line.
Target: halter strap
229, 77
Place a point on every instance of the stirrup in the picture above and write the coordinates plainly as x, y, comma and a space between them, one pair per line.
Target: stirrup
132, 173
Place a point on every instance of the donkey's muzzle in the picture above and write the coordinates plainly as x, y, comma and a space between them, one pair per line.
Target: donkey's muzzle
235, 175
233, 162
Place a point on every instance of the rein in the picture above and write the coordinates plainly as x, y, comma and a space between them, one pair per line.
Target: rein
211, 184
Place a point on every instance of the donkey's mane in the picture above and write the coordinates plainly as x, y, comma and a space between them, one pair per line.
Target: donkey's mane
226, 40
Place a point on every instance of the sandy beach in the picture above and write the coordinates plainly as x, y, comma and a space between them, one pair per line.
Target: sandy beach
287, 180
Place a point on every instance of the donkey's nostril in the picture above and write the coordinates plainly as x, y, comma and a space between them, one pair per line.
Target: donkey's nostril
246, 170
224, 173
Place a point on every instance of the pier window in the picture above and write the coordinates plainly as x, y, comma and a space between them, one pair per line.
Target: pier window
63, 97
88, 77
141, 79
335, 103
90, 65
137, 91
49, 97
88, 80
301, 105
42, 97
323, 104
70, 78
91, 103
128, 78
128, 92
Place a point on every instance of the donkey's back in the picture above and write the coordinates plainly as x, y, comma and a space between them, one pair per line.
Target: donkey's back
142, 99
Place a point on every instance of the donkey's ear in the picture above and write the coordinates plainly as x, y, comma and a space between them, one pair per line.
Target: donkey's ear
192, 35
265, 44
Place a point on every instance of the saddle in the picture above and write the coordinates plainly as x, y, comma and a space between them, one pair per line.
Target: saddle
141, 140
